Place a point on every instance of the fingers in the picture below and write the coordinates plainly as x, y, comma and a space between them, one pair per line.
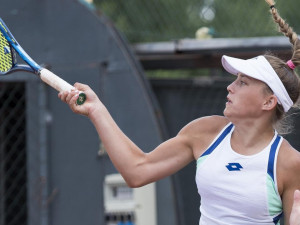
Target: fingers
62, 95
68, 96
72, 98
81, 87
71, 95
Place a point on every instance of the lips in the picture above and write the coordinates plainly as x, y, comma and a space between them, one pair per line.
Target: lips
228, 100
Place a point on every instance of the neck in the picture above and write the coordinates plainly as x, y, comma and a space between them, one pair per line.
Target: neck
251, 136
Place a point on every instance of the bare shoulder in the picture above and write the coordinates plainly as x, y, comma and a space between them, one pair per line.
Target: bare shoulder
289, 165
206, 124
201, 132
288, 156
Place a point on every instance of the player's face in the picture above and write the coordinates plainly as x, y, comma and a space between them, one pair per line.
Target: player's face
245, 98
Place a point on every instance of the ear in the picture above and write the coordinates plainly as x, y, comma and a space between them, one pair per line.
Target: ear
270, 102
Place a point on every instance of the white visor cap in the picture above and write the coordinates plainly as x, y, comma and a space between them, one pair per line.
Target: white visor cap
260, 69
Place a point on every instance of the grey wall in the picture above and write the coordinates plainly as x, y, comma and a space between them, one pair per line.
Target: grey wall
79, 45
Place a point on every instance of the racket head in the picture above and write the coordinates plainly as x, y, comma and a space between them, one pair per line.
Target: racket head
7, 59
9, 48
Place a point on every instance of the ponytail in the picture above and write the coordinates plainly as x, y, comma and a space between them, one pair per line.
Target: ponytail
285, 70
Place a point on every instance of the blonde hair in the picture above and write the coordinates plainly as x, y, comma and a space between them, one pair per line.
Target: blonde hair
288, 76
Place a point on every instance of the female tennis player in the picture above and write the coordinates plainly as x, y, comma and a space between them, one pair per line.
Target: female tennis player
247, 174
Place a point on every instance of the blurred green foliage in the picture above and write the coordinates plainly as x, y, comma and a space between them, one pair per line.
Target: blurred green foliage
164, 20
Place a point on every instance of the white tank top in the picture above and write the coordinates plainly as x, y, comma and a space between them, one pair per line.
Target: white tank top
236, 189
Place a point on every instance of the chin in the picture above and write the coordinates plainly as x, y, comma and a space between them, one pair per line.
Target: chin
227, 114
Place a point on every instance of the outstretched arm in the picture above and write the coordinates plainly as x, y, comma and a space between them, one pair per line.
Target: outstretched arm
137, 168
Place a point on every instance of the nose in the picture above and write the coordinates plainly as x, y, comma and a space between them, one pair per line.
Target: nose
230, 87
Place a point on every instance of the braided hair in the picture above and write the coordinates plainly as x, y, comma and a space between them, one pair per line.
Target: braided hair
285, 70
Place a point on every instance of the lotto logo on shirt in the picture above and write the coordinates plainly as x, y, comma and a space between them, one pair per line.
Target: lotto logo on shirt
234, 167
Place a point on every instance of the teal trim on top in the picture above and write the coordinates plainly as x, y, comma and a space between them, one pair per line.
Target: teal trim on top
200, 160
274, 200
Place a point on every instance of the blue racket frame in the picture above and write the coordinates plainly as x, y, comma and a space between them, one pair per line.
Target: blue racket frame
32, 66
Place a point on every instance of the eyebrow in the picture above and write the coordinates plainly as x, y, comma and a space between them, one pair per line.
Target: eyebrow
244, 76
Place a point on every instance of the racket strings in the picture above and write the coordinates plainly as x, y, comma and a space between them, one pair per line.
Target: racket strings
6, 60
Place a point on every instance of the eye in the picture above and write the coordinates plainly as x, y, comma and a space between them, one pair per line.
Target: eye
242, 82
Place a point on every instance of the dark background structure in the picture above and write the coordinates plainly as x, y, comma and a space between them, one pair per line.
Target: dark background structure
52, 165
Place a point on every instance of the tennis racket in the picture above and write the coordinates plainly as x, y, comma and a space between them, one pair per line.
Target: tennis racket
8, 63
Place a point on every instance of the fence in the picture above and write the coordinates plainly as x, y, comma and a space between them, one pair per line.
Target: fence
12, 154
22, 120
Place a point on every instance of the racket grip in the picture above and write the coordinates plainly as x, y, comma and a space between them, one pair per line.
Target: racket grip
59, 84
